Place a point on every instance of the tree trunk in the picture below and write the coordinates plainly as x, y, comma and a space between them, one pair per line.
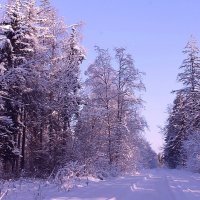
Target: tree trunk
22, 164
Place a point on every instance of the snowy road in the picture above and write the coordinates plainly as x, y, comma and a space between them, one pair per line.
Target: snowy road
150, 185
156, 184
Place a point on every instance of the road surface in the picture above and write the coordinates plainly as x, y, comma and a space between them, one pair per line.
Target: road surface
157, 184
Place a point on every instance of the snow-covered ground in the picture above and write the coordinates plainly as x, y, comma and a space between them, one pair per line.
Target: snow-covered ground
158, 184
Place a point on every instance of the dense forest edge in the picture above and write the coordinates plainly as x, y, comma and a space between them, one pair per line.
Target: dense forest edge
182, 149
52, 125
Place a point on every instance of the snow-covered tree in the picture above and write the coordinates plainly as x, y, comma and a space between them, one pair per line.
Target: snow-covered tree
192, 148
128, 82
19, 45
175, 133
184, 117
7, 147
65, 99
110, 121
39, 72
101, 99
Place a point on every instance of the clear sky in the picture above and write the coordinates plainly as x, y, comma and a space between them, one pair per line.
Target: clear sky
153, 31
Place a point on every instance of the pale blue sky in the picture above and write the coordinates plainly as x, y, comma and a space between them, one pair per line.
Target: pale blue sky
153, 31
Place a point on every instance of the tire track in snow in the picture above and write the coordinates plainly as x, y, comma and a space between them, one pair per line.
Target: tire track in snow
162, 187
168, 189
180, 187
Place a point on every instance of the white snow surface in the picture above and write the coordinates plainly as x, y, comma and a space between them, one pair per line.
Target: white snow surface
158, 184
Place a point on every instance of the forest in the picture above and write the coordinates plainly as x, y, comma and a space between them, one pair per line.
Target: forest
52, 122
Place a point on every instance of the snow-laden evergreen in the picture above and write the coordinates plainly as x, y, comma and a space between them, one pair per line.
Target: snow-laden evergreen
39, 59
182, 128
